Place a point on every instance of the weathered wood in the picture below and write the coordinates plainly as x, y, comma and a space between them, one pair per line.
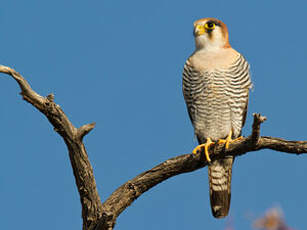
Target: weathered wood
132, 189
82, 168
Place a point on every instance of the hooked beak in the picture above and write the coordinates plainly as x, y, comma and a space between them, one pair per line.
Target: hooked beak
199, 30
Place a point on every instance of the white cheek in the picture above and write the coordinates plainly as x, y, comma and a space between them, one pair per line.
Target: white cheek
201, 41
215, 42
217, 37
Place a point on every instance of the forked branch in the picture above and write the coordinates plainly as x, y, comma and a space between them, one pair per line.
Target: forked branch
103, 216
82, 169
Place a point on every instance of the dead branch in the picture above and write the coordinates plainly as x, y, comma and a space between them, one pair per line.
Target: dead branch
132, 189
103, 216
82, 168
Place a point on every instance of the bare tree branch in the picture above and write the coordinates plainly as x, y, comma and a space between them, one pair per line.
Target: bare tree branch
103, 216
82, 169
258, 119
132, 189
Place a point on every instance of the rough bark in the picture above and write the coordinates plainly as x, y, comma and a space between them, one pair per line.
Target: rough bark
82, 168
100, 216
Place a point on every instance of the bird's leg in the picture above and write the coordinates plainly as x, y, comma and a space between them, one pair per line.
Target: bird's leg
206, 146
228, 140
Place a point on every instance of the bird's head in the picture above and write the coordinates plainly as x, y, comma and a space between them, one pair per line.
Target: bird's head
210, 34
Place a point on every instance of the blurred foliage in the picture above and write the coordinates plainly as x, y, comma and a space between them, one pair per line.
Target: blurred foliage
272, 220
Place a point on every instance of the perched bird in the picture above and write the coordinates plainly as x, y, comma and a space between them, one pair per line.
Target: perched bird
216, 85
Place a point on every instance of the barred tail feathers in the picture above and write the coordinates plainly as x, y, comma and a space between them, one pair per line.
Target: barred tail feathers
219, 172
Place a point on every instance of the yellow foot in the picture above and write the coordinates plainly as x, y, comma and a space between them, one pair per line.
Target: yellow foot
206, 146
228, 140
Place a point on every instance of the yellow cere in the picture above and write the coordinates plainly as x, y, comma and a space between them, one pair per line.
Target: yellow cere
200, 29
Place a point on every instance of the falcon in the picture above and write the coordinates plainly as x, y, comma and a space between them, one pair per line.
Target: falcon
216, 86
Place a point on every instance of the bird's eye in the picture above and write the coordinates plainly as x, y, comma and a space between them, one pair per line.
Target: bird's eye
210, 25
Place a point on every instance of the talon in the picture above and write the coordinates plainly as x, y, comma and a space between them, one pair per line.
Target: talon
228, 140
206, 146
238, 139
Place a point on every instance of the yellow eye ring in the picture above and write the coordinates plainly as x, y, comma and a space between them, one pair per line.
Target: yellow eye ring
210, 25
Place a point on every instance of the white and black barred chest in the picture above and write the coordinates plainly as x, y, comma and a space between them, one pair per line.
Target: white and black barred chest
217, 99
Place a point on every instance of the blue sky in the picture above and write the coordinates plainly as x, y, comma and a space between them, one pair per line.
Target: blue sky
118, 63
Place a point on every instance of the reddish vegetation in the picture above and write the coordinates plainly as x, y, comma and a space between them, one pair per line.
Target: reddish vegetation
272, 220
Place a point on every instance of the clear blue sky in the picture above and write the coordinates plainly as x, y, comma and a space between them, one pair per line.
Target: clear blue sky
119, 63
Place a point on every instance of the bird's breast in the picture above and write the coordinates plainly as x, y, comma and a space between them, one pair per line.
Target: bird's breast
209, 61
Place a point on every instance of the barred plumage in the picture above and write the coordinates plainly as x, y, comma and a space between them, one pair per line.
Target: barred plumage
216, 86
217, 99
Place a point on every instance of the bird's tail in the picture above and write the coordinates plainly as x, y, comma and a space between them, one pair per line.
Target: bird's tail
219, 172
